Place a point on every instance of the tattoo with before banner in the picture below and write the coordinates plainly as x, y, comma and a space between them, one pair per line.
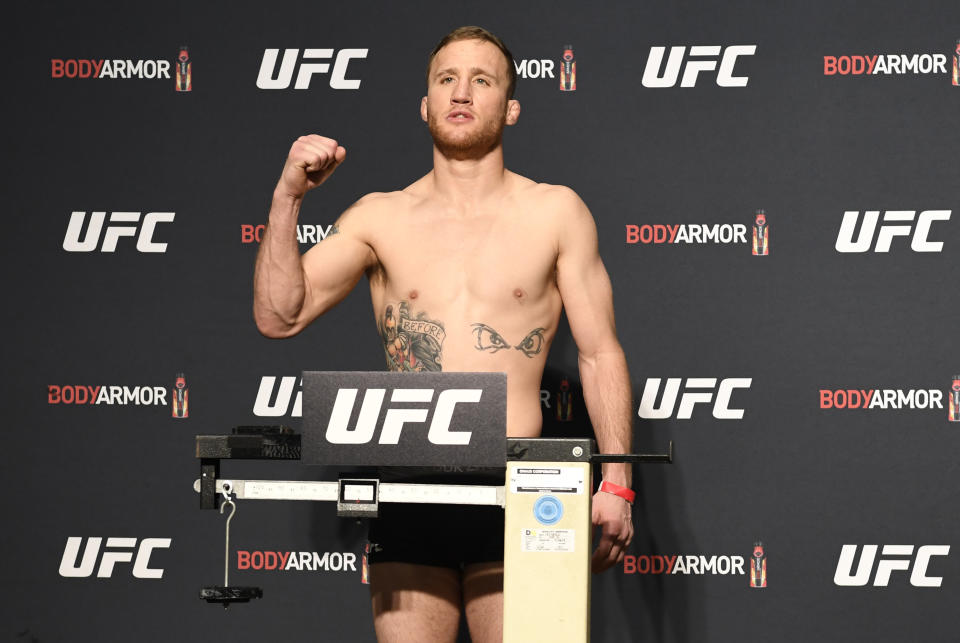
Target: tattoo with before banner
411, 343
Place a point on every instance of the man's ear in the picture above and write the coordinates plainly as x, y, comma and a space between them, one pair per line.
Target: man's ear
513, 112
423, 109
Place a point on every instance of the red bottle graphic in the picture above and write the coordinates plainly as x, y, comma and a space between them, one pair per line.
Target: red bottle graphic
181, 406
568, 70
954, 413
761, 235
956, 65
184, 70
758, 566
563, 401
365, 564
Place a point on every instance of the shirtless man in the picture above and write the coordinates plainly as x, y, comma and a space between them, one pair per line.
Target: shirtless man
468, 269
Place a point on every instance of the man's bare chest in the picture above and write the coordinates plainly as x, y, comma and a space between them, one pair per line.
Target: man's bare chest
485, 258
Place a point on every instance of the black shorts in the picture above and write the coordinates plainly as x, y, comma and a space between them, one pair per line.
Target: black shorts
439, 535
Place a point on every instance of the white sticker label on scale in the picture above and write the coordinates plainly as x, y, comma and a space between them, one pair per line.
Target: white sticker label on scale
554, 540
547, 480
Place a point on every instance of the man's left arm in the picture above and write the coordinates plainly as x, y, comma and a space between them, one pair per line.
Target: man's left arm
588, 300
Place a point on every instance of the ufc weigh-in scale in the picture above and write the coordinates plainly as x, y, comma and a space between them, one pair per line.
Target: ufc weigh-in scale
380, 419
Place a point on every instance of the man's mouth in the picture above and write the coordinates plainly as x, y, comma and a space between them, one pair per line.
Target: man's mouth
459, 116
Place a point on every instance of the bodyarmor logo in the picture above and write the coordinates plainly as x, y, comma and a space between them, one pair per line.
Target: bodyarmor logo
686, 233
900, 226
118, 550
107, 68
81, 394
868, 398
700, 59
704, 387
901, 558
306, 233
338, 77
885, 64
91, 239
299, 561
363, 432
684, 565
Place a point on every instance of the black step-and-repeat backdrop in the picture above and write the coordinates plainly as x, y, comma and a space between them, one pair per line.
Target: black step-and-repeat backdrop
776, 193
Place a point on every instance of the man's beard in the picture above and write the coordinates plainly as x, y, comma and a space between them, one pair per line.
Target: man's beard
473, 146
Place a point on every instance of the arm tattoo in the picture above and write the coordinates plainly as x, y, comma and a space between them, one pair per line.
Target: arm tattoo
332, 230
411, 343
488, 339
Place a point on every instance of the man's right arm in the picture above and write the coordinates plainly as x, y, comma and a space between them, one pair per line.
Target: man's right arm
291, 291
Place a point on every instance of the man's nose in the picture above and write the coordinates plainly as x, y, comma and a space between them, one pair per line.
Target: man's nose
462, 94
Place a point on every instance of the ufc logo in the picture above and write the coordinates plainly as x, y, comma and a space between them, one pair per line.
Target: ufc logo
72, 241
701, 59
338, 77
288, 391
118, 550
363, 432
699, 390
886, 566
899, 226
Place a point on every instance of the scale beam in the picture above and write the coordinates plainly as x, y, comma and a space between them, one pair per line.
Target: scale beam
450, 494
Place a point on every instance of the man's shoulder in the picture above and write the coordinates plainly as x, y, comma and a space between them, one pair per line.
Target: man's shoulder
379, 201
559, 202
372, 207
409, 197
555, 194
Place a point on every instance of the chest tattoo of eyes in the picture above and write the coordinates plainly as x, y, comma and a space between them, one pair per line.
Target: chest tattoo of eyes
489, 340
532, 344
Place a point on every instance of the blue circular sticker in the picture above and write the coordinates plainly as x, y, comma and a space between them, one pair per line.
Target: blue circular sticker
548, 510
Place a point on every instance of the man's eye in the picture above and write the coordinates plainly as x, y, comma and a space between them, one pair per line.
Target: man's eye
446, 79
488, 339
532, 343
482, 81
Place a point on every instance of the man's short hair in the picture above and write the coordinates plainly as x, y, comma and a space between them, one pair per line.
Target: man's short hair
477, 33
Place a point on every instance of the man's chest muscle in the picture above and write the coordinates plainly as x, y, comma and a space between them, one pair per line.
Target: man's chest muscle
487, 261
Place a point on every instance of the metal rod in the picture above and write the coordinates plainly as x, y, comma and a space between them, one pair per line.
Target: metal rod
226, 546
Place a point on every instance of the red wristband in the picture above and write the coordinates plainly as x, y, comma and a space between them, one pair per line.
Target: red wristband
617, 490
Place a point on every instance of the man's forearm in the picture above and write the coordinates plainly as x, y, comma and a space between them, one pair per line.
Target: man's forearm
278, 284
606, 391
